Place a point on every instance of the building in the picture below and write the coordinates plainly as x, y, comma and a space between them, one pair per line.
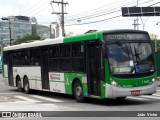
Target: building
15, 27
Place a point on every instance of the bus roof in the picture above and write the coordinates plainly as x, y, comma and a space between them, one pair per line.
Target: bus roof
88, 36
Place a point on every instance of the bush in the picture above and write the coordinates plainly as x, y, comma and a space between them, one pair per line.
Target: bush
26, 38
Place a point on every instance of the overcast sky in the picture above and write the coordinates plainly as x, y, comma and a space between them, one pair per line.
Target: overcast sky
83, 12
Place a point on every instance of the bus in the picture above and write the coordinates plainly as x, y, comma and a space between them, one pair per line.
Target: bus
103, 64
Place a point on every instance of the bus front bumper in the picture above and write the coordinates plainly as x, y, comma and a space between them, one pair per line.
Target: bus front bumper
114, 92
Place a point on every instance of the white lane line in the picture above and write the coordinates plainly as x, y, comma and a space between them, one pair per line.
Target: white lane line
152, 97
158, 90
157, 94
7, 93
26, 99
136, 98
48, 99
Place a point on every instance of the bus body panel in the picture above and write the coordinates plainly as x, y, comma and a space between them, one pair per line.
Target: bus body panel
133, 82
5, 74
84, 37
114, 92
57, 82
32, 73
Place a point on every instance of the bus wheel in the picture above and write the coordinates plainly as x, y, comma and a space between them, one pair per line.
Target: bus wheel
26, 86
78, 92
19, 86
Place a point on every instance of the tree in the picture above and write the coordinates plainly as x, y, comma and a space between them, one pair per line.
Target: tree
26, 38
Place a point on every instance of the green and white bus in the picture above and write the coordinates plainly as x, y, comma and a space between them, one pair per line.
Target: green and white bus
103, 64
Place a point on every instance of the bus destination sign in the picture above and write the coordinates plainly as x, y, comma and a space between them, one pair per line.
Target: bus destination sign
127, 36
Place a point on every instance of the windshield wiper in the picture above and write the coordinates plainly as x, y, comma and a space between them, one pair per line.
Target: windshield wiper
137, 54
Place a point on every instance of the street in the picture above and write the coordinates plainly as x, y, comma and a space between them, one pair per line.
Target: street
12, 100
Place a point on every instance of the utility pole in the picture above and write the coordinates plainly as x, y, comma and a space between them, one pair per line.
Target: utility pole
61, 14
134, 24
137, 19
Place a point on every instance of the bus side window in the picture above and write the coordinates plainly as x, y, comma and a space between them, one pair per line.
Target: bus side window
35, 56
54, 58
65, 60
78, 57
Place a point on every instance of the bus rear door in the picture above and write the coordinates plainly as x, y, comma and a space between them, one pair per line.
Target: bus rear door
44, 68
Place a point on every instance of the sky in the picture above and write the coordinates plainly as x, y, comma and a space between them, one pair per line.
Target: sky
83, 15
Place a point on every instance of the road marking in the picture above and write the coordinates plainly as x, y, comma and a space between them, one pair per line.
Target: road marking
152, 97
26, 99
136, 98
156, 94
6, 93
46, 98
158, 90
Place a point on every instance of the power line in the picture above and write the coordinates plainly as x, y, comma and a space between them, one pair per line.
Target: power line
36, 8
100, 13
94, 9
33, 6
95, 21
154, 4
105, 19
40, 10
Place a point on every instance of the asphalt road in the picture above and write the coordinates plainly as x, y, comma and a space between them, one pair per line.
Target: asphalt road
44, 103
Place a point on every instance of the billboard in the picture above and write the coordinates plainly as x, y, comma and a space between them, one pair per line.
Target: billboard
140, 11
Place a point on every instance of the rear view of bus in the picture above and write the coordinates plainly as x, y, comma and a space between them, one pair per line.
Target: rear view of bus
130, 64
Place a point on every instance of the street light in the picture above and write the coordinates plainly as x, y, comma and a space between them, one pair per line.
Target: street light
4, 18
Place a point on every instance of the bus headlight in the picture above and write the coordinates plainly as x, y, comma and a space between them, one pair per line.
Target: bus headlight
115, 83
152, 81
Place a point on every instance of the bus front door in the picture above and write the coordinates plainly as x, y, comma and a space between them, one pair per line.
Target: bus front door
44, 69
10, 70
93, 58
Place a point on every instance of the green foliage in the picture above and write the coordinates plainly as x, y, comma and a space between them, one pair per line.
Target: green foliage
26, 38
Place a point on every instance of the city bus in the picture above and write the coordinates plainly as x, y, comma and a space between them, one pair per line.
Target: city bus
102, 64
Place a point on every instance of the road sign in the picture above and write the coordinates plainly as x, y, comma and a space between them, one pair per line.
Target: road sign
140, 11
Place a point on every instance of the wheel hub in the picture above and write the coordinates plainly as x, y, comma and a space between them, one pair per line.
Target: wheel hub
79, 91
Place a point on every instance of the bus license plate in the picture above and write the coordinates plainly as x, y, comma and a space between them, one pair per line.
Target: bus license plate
135, 92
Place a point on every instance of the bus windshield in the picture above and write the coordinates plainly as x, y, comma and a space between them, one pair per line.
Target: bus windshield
130, 58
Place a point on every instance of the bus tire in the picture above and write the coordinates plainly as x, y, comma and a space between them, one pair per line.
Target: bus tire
78, 92
19, 85
26, 86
